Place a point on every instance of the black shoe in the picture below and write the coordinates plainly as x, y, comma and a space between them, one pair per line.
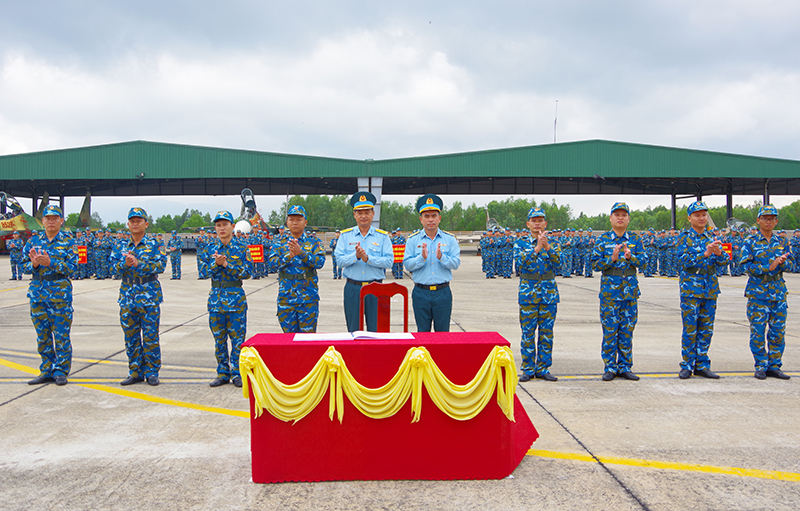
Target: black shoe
547, 377
608, 376
777, 373
706, 373
525, 377
218, 382
237, 381
152, 380
685, 374
629, 376
61, 379
130, 380
41, 379
760, 375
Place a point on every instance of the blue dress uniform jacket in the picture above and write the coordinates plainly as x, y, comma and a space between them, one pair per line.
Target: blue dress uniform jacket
139, 301
380, 256
538, 298
227, 304
50, 295
298, 292
766, 299
619, 292
432, 302
699, 288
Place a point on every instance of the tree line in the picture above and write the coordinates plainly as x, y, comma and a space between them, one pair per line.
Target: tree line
334, 212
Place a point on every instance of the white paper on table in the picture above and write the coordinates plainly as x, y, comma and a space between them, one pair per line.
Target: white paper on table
338, 336
348, 336
360, 334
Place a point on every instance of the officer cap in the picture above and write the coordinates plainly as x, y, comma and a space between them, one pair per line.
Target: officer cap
536, 212
174, 231
696, 206
223, 215
620, 205
52, 209
297, 209
363, 200
652, 230
768, 209
137, 212
429, 202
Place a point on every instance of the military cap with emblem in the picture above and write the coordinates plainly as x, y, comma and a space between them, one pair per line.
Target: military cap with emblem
429, 202
768, 209
52, 209
223, 215
620, 205
696, 206
363, 200
297, 210
134, 212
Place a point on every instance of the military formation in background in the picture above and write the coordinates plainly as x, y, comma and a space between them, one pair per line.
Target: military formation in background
697, 256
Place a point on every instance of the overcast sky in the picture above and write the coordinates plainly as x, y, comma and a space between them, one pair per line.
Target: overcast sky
394, 79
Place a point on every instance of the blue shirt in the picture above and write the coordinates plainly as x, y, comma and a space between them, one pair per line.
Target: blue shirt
294, 291
380, 254
152, 260
63, 260
758, 253
528, 261
228, 299
432, 270
618, 287
691, 247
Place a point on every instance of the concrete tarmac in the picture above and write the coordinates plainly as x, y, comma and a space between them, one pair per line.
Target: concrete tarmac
659, 443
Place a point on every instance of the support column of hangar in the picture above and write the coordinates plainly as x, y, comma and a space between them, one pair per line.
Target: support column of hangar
373, 185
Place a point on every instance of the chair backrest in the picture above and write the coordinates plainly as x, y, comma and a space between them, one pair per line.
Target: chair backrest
384, 294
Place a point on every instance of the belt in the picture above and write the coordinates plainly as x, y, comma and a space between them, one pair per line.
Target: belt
362, 283
52, 276
772, 278
700, 271
139, 280
433, 287
537, 276
226, 284
619, 272
306, 275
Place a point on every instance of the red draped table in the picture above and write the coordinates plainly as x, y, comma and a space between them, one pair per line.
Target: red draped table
316, 448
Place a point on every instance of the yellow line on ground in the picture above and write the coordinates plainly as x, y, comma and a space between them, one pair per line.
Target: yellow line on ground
18, 367
107, 362
13, 289
670, 465
165, 401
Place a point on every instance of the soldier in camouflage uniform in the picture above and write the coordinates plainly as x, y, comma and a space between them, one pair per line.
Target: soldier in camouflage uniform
15, 246
699, 256
397, 268
538, 297
138, 261
174, 247
298, 256
51, 259
227, 303
618, 254
794, 245
337, 272
765, 257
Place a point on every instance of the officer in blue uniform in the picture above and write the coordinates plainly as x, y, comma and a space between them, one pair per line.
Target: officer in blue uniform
364, 253
298, 257
15, 246
138, 261
174, 247
227, 303
51, 260
431, 255
699, 256
538, 261
765, 257
618, 254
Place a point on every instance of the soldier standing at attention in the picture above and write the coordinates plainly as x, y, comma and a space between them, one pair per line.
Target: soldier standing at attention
397, 268
200, 247
174, 247
15, 246
764, 258
298, 256
618, 254
699, 256
364, 253
431, 255
138, 261
538, 297
51, 260
337, 273
227, 303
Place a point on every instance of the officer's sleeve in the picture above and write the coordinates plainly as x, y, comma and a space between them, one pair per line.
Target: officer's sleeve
316, 259
27, 266
600, 261
67, 264
386, 257
345, 255
638, 255
412, 260
452, 259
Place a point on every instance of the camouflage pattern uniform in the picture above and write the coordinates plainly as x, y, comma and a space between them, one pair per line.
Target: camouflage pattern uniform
619, 294
766, 299
174, 246
699, 289
227, 304
15, 246
538, 304
337, 272
139, 301
50, 295
397, 268
298, 294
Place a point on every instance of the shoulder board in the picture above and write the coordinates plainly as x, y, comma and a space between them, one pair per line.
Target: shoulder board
347, 230
381, 231
412, 234
450, 233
